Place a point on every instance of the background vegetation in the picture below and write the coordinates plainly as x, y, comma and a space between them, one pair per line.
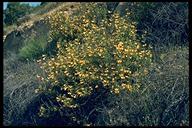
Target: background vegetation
14, 11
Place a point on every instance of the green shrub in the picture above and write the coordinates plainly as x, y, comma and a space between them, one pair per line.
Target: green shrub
165, 22
33, 48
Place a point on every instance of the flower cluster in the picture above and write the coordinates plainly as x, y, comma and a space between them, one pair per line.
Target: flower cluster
92, 53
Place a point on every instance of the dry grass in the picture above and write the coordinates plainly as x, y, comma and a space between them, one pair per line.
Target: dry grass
163, 99
19, 85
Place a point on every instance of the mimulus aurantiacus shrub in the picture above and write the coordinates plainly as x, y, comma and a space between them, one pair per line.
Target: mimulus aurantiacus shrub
105, 54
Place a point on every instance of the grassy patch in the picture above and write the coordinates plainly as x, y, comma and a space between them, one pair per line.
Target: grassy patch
33, 48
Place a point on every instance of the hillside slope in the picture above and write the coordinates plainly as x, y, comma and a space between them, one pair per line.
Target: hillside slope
162, 100
14, 39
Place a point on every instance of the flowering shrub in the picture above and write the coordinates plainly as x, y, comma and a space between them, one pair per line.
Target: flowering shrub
93, 52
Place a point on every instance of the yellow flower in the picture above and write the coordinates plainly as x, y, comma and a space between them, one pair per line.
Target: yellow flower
129, 87
119, 46
138, 46
113, 80
116, 91
82, 62
123, 85
58, 45
105, 82
145, 71
119, 61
